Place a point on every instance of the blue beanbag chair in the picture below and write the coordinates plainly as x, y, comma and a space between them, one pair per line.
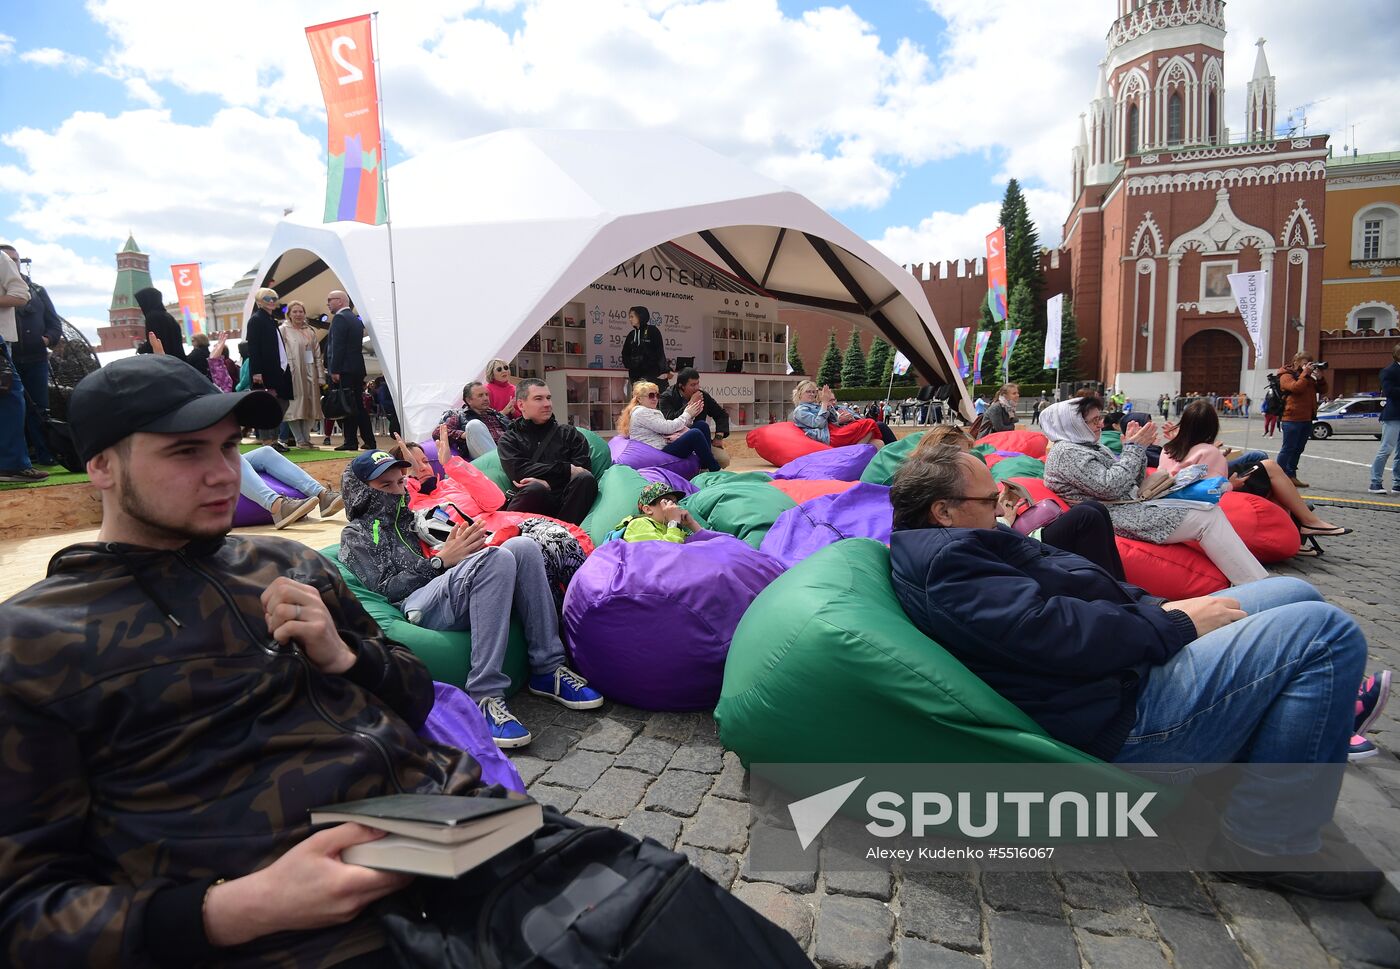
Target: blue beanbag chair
860, 512
649, 623
837, 464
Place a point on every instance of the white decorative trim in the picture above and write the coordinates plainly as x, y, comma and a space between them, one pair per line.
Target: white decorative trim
1299, 220
1222, 232
1142, 244
1341, 181
1296, 257
1226, 178
1379, 304
1149, 159
1165, 13
1302, 142
1224, 151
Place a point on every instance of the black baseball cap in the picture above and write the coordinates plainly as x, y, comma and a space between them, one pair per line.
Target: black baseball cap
160, 395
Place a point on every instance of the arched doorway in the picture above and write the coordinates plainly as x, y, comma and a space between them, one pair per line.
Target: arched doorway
1211, 362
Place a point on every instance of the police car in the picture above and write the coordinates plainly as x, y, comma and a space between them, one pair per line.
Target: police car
1349, 415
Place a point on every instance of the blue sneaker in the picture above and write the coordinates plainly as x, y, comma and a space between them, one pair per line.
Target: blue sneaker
506, 731
1370, 700
566, 687
1360, 749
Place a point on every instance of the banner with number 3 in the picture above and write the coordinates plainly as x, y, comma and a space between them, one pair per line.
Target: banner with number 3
189, 290
344, 56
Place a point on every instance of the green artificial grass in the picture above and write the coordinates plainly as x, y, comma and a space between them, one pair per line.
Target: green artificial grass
58, 475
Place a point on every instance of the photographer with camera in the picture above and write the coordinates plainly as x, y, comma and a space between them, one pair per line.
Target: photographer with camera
1300, 383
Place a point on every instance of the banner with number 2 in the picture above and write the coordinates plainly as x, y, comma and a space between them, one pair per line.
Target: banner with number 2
344, 56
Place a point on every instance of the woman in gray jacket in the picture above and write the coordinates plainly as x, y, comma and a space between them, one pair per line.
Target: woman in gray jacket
1078, 468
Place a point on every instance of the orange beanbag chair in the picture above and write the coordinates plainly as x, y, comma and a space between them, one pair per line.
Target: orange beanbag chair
1170, 571
1030, 443
782, 441
1267, 530
799, 490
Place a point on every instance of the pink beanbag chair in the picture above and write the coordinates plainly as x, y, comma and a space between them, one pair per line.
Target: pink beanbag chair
637, 455
1031, 443
834, 464
249, 513
1171, 571
800, 491
649, 623
1267, 530
781, 442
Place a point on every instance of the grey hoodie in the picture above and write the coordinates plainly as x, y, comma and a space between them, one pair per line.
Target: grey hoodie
379, 545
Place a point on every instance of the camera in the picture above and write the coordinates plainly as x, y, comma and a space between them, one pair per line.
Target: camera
1319, 365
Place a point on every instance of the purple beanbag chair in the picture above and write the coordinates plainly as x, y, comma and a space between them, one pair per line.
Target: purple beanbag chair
837, 464
637, 455
664, 476
457, 722
861, 512
249, 513
649, 623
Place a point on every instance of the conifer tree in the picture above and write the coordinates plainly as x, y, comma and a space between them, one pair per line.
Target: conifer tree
1028, 355
1069, 343
853, 361
829, 372
794, 359
878, 362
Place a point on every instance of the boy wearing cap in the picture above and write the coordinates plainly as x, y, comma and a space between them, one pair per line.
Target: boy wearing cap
466, 585
660, 518
173, 702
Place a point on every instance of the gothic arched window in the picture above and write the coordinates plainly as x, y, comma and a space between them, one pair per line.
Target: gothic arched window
1175, 121
1132, 129
1212, 117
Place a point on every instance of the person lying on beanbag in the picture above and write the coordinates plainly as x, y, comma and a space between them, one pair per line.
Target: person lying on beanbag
659, 518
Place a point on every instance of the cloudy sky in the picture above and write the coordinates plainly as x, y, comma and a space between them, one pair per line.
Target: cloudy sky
194, 124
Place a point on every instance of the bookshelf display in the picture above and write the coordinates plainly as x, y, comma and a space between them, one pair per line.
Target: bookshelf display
760, 344
561, 343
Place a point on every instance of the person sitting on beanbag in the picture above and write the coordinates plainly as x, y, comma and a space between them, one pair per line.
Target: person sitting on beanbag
821, 420
659, 518
642, 421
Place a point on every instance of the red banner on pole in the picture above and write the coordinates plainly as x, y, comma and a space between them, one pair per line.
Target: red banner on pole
996, 274
344, 56
189, 290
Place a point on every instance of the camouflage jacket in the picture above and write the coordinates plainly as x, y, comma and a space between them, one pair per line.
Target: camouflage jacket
156, 737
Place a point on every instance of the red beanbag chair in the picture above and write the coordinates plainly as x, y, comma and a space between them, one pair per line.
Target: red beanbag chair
1171, 571
802, 490
781, 442
1267, 530
1031, 443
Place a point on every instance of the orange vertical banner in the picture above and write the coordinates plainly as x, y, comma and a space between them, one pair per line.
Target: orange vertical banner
189, 290
996, 273
344, 55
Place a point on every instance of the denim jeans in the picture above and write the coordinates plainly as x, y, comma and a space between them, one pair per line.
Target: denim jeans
1278, 687
1295, 438
478, 439
14, 453
1390, 443
1247, 458
35, 374
480, 593
696, 442
267, 460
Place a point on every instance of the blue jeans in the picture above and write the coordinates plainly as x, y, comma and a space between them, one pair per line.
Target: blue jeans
1248, 457
268, 461
1390, 442
1295, 438
14, 453
35, 374
479, 593
696, 442
1278, 688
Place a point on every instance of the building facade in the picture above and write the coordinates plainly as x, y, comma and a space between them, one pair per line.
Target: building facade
1361, 269
1168, 204
126, 322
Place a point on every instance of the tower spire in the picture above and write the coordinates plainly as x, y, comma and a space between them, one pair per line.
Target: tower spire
1260, 106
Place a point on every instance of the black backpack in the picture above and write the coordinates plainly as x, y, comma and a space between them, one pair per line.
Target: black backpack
576, 897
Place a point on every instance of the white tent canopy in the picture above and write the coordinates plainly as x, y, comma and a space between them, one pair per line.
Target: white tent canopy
491, 236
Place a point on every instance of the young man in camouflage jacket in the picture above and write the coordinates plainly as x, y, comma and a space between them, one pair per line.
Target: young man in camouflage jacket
175, 700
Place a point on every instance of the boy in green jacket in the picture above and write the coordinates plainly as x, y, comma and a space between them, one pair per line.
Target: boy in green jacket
660, 518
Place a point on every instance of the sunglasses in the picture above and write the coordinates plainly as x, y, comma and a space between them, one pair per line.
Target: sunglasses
649, 396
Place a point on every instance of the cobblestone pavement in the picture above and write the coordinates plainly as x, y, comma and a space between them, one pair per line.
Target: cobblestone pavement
666, 776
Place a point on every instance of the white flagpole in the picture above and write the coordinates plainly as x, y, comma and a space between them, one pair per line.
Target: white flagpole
398, 395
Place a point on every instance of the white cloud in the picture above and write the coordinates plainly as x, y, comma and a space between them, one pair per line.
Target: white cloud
138, 89
71, 279
951, 235
53, 57
7, 46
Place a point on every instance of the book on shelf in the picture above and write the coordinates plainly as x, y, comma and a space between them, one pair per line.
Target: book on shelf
434, 834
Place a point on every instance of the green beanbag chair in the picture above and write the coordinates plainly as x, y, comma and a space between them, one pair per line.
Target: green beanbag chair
707, 479
448, 655
825, 667
1021, 466
745, 506
619, 487
599, 455
889, 458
